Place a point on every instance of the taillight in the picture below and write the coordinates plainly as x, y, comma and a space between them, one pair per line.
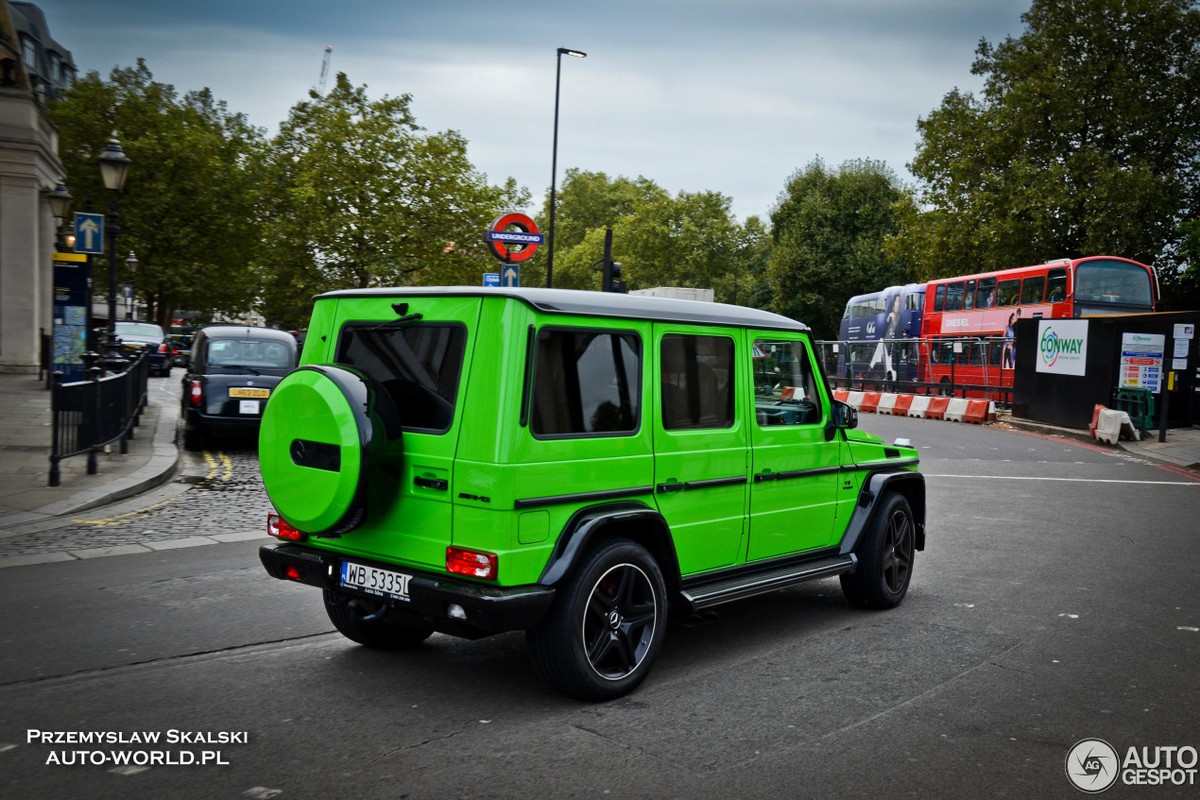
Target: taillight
162, 348
277, 527
475, 564
197, 395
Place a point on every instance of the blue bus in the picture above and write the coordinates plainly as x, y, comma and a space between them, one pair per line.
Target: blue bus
879, 334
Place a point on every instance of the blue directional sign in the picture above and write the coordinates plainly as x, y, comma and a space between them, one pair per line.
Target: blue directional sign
510, 276
491, 279
89, 233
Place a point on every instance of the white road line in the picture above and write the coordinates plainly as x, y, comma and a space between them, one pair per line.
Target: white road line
1066, 480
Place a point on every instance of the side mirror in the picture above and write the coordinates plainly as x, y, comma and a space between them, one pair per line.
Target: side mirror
844, 415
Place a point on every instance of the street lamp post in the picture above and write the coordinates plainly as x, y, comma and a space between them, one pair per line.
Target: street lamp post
114, 167
562, 51
60, 203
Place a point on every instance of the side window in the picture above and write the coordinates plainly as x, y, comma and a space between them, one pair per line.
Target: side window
785, 389
939, 300
697, 382
969, 297
954, 296
1056, 286
1010, 293
586, 382
1032, 290
987, 293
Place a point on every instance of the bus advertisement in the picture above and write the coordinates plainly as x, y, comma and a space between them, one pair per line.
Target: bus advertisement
965, 329
880, 330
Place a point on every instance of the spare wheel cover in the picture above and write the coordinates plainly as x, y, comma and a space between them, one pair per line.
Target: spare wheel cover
313, 448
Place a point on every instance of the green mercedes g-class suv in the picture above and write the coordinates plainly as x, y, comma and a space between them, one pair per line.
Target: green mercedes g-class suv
576, 465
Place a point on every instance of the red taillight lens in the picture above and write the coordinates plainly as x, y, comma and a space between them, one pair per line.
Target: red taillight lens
162, 348
197, 395
475, 564
292, 574
281, 530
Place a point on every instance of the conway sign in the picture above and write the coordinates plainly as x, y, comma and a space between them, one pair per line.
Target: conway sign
1062, 346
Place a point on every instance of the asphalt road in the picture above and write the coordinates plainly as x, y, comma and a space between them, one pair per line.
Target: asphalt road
1057, 600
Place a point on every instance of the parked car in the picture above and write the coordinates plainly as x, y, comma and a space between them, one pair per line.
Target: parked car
232, 374
138, 336
573, 464
181, 343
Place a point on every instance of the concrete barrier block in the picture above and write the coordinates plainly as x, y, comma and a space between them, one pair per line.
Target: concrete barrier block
937, 407
855, 399
956, 409
919, 406
887, 402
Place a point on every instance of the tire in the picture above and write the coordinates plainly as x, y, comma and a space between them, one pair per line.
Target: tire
607, 624
193, 440
354, 617
885, 557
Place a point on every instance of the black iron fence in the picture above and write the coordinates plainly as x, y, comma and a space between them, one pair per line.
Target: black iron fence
978, 367
86, 416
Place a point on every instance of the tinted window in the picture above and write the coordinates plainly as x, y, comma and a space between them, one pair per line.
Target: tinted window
697, 382
786, 394
1009, 293
1032, 290
939, 301
255, 353
586, 382
954, 297
986, 296
419, 366
1056, 286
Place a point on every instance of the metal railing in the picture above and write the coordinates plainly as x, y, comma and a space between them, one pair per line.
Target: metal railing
964, 366
88, 415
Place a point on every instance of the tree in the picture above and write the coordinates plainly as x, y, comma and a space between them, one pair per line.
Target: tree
1085, 141
828, 230
688, 240
187, 210
361, 196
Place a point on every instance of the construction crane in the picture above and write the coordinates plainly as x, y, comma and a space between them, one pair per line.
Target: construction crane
325, 68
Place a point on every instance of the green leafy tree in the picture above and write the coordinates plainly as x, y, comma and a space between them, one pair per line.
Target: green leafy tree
188, 206
361, 196
829, 229
689, 240
1084, 141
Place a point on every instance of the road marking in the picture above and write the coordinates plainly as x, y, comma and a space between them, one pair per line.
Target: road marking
128, 516
1064, 480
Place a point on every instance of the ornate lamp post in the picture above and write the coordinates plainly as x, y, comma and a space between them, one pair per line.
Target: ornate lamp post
60, 204
114, 167
562, 51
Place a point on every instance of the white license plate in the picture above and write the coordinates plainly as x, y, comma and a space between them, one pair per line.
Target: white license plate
250, 407
379, 582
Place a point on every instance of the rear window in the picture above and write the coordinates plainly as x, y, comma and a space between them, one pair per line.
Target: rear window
252, 353
419, 366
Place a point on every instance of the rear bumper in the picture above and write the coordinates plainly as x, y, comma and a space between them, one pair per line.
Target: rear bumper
487, 609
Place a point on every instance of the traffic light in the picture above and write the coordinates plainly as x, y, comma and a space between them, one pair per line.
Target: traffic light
611, 278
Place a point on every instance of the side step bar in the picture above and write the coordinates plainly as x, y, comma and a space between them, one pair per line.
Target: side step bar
715, 591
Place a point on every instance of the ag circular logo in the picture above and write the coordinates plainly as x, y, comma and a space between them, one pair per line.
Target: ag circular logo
1092, 765
1049, 347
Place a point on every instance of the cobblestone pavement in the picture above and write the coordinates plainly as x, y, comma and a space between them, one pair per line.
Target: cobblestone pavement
217, 497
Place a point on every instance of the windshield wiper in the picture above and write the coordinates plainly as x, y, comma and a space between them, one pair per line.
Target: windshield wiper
239, 366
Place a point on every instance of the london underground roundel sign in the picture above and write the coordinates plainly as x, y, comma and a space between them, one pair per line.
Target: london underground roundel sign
513, 238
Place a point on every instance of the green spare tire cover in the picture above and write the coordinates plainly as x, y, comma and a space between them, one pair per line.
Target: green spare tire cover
320, 430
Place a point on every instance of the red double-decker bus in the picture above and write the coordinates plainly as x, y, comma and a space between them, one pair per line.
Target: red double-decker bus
967, 325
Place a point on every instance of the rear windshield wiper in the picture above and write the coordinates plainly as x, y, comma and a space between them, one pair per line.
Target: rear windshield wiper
238, 366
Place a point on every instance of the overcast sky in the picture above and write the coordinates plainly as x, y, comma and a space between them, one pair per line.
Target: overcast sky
730, 96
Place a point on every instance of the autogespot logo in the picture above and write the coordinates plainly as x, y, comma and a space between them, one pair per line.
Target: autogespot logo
1092, 765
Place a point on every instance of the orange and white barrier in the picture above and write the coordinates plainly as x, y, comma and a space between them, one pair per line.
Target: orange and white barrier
922, 406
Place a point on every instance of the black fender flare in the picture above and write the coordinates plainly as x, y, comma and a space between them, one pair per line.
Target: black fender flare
635, 521
909, 483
